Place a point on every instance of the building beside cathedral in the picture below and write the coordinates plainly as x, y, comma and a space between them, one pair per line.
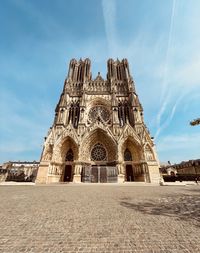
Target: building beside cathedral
98, 133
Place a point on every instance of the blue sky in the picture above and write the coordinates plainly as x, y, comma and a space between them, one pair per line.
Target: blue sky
161, 40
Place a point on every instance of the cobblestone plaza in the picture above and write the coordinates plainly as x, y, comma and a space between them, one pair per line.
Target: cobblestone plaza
99, 218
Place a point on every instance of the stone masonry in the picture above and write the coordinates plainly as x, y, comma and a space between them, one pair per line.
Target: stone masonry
98, 133
104, 218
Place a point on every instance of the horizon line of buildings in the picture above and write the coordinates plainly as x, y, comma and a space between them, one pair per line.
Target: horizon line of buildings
27, 170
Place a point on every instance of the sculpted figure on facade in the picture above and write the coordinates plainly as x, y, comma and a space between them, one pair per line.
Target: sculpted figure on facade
98, 133
48, 151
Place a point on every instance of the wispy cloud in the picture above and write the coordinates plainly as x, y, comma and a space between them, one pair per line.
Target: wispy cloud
179, 147
163, 53
109, 14
47, 24
168, 51
170, 113
23, 127
181, 73
165, 96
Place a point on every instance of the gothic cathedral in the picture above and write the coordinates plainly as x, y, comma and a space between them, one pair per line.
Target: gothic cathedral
98, 134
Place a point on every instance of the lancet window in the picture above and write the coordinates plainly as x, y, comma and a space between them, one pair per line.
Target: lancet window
124, 114
74, 114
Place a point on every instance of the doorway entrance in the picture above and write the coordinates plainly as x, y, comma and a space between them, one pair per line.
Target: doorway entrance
99, 174
129, 173
68, 173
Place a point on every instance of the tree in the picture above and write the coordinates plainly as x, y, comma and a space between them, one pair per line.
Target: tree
195, 122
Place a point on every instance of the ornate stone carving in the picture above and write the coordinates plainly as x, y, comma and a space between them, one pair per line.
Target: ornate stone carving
48, 151
100, 113
149, 153
98, 153
98, 122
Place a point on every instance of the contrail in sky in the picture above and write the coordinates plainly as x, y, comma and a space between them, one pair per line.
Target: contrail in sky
165, 96
171, 115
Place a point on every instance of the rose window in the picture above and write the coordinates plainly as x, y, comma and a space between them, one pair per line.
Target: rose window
98, 153
99, 113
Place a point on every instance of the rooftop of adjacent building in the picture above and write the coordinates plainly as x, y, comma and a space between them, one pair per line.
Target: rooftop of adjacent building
9, 164
183, 164
23, 162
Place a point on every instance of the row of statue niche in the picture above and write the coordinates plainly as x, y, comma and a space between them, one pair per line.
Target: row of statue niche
98, 86
54, 170
149, 155
120, 88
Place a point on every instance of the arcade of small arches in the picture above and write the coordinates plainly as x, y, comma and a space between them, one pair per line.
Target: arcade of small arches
99, 159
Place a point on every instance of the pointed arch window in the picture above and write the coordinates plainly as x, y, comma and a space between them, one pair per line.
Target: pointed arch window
127, 155
74, 114
69, 156
125, 114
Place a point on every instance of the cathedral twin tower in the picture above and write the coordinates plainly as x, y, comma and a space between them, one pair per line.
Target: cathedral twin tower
98, 134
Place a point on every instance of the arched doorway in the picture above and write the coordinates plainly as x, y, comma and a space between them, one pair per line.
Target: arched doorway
129, 173
68, 176
99, 170
65, 154
132, 155
99, 154
129, 167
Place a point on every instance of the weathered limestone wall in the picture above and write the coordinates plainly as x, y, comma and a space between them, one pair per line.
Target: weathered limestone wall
154, 172
42, 173
103, 112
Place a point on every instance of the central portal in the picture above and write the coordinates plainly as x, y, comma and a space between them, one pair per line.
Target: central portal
99, 164
99, 174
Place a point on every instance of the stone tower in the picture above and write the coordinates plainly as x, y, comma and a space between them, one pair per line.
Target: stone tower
98, 133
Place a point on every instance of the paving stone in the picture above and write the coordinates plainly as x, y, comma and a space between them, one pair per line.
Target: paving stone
99, 218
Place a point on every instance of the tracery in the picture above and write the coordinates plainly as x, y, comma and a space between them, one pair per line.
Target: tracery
99, 112
69, 155
124, 114
74, 114
127, 155
98, 153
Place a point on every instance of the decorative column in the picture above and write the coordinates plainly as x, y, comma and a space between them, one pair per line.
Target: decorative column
121, 174
77, 173
145, 172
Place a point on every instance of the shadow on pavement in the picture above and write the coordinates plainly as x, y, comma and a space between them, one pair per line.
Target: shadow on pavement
185, 207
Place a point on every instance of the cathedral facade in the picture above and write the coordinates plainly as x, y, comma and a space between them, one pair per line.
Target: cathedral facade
98, 134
